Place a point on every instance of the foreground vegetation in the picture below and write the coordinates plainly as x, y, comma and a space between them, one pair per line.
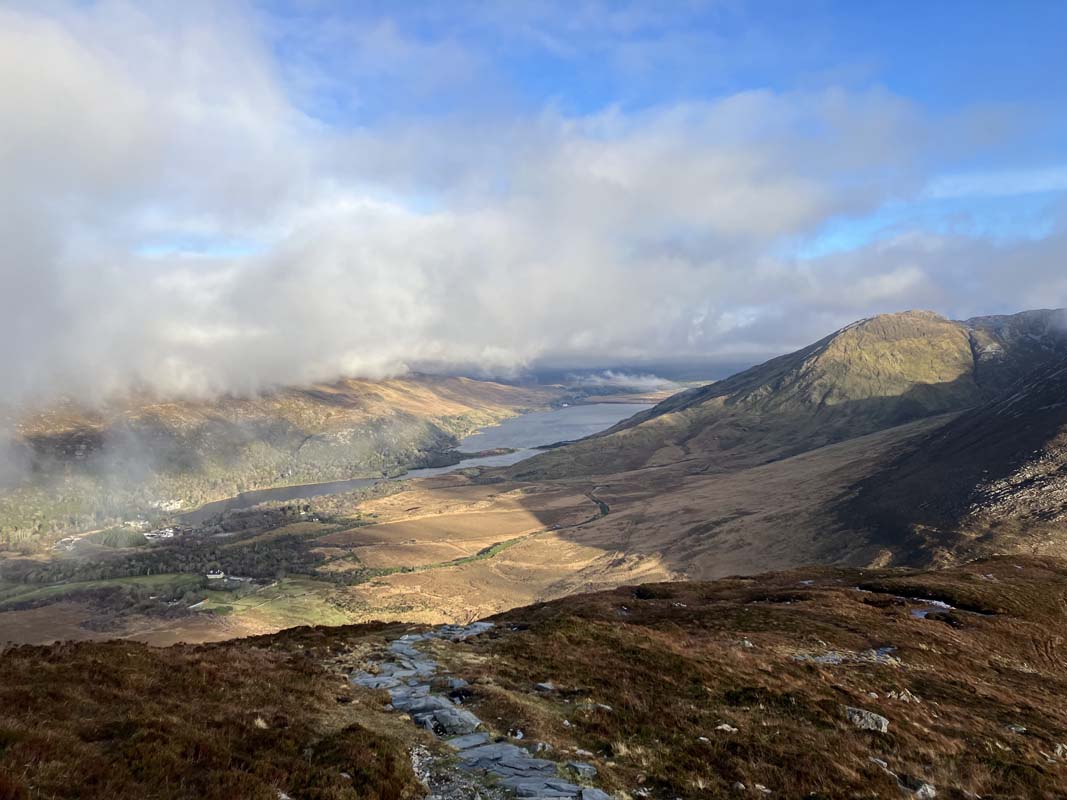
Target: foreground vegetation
670, 690
118, 720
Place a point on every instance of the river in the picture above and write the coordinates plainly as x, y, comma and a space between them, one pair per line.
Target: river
524, 434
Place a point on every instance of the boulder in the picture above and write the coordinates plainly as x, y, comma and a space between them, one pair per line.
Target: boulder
867, 720
582, 769
455, 722
920, 788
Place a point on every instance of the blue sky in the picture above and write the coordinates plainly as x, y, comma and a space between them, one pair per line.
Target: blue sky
262, 192
999, 63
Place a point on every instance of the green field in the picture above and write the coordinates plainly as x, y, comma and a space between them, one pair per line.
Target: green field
287, 602
15, 593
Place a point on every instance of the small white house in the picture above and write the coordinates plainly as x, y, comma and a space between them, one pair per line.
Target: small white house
215, 575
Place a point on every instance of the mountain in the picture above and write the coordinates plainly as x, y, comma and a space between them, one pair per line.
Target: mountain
872, 375
993, 478
823, 683
84, 467
796, 462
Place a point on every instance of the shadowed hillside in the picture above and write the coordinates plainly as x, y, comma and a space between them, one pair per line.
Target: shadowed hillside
995, 477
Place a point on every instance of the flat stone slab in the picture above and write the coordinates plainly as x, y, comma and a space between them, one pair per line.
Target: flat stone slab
492, 752
404, 649
430, 702
455, 721
459, 633
594, 794
468, 741
527, 764
368, 681
404, 697
523, 787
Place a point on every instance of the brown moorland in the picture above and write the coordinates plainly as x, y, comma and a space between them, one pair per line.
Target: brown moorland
670, 690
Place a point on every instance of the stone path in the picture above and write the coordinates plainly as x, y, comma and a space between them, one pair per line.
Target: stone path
408, 676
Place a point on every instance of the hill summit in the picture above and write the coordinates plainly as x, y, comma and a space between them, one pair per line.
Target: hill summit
871, 375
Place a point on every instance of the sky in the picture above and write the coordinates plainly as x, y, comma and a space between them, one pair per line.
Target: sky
208, 197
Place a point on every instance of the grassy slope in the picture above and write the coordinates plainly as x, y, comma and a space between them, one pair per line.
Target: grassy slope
872, 375
129, 721
645, 677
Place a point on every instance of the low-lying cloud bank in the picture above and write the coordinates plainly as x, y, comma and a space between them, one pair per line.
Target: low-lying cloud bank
613, 379
171, 219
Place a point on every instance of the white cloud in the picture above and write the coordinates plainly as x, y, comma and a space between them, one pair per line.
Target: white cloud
484, 242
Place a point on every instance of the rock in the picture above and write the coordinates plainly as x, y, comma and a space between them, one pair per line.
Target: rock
455, 722
422, 705
547, 686
582, 769
759, 787
460, 633
919, 787
402, 648
739, 787
867, 720
594, 794
404, 697
488, 753
539, 789
468, 741
368, 681
1017, 729
726, 728
904, 696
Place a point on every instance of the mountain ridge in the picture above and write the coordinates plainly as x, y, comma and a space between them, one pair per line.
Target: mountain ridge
873, 374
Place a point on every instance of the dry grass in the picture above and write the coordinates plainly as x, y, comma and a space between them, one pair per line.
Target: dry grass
121, 720
670, 662
645, 678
